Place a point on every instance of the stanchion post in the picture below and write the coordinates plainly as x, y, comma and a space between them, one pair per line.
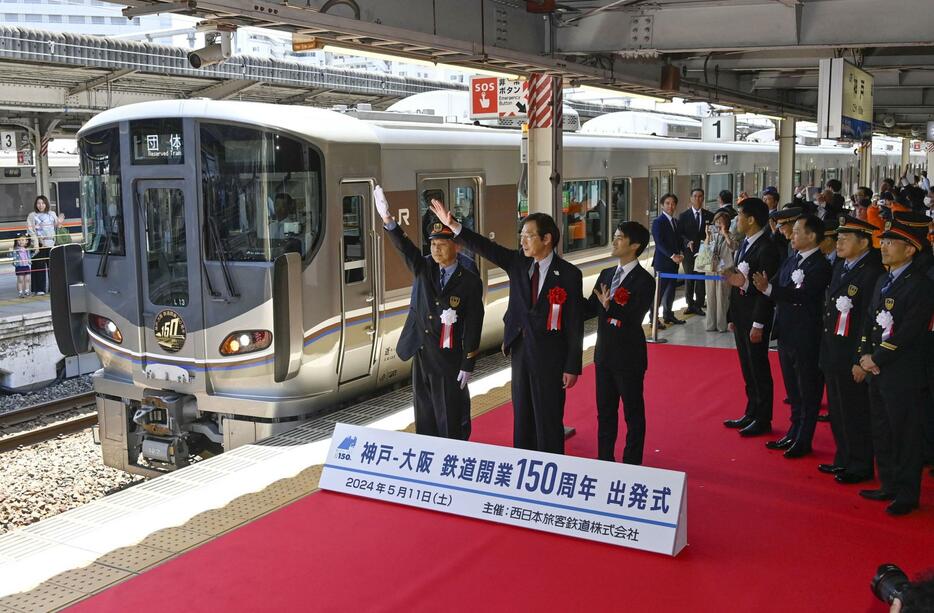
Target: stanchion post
654, 315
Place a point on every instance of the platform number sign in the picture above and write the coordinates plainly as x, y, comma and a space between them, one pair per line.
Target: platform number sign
8, 141
719, 128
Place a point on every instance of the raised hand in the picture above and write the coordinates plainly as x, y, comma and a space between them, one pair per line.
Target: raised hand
443, 214
382, 205
603, 295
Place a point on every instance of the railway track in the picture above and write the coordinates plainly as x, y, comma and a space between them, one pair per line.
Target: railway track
44, 433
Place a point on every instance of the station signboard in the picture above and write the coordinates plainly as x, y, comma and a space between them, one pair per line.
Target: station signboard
497, 97
844, 105
719, 128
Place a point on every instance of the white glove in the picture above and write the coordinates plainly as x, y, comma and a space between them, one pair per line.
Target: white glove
463, 377
382, 206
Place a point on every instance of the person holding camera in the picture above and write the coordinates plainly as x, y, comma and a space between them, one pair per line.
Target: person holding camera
891, 356
720, 247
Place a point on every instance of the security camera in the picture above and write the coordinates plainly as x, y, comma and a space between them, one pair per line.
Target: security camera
888, 121
213, 52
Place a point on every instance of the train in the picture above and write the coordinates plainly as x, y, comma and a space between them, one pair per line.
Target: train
234, 279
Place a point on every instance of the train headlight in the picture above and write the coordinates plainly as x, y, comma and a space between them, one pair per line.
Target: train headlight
246, 341
105, 327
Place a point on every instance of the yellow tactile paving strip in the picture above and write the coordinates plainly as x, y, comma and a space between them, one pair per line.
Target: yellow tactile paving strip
75, 585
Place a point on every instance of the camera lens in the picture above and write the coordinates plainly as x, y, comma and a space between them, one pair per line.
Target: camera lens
889, 583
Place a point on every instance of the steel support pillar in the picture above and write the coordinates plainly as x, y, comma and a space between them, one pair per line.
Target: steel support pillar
906, 151
41, 159
865, 166
545, 145
786, 158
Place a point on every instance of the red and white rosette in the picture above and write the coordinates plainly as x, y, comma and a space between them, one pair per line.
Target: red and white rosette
931, 325
620, 297
556, 299
743, 268
844, 306
797, 277
448, 319
886, 322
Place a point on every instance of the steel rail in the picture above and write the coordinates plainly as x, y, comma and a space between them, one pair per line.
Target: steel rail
12, 418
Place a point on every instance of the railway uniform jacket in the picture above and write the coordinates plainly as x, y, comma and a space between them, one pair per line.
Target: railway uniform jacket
799, 312
463, 293
839, 353
752, 306
559, 351
900, 358
667, 237
622, 347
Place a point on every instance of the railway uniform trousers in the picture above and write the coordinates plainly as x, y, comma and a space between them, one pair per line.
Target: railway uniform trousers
757, 373
896, 438
804, 387
611, 386
928, 418
695, 291
40, 266
537, 403
440, 403
848, 403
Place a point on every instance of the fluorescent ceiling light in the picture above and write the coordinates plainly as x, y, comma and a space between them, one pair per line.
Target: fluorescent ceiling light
480, 71
617, 94
376, 56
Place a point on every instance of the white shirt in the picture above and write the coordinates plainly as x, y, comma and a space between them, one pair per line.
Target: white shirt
543, 265
626, 270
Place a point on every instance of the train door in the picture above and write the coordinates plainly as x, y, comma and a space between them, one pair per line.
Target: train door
460, 194
358, 285
170, 282
661, 182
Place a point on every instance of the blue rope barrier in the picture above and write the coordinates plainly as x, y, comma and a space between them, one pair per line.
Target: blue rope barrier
670, 275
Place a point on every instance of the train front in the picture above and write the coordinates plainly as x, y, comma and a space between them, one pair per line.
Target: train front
198, 229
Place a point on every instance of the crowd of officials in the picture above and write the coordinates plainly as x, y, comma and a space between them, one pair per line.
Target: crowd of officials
848, 295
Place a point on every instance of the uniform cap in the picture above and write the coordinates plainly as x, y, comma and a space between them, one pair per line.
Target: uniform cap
848, 223
899, 231
439, 230
786, 214
912, 219
771, 190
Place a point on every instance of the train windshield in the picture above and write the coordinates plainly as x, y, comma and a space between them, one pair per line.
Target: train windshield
101, 201
262, 194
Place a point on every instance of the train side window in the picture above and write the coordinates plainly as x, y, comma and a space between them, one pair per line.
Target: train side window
697, 182
716, 183
585, 214
354, 240
621, 200
428, 218
101, 194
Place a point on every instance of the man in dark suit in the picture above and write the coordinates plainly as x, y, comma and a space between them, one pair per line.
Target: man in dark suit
621, 299
725, 203
750, 316
855, 273
667, 257
693, 224
798, 293
444, 338
892, 357
544, 325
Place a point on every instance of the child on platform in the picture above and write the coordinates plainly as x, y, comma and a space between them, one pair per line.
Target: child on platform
22, 262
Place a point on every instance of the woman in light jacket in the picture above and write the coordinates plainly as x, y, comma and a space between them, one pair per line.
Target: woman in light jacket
722, 247
42, 224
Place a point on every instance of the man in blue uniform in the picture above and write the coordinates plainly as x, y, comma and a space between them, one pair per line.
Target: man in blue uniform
891, 354
445, 337
621, 298
544, 325
855, 273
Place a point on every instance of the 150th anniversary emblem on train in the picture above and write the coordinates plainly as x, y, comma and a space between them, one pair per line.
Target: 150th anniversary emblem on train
170, 330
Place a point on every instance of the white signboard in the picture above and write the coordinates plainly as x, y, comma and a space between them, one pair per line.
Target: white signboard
930, 131
844, 103
8, 141
496, 97
719, 128
630, 506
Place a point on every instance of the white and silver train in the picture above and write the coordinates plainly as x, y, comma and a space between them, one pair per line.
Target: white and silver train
234, 279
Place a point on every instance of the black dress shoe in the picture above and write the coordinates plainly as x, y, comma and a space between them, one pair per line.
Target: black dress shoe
742, 422
756, 429
847, 478
823, 417
830, 469
783, 443
901, 508
877, 495
674, 321
797, 451
660, 324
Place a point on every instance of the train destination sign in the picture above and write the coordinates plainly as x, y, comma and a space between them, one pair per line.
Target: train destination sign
496, 97
620, 504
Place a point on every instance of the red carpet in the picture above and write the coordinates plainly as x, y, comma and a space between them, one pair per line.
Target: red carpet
764, 533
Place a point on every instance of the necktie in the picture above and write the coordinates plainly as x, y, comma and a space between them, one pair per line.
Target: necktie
441, 280
889, 280
798, 261
617, 280
846, 268
742, 250
535, 284
697, 216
